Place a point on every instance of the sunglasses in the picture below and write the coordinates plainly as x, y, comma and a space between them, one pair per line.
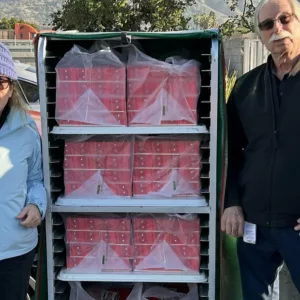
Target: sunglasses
268, 24
4, 83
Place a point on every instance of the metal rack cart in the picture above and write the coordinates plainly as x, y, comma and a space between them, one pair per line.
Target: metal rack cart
205, 46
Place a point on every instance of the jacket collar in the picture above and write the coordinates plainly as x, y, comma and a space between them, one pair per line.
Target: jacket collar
271, 67
16, 119
4, 115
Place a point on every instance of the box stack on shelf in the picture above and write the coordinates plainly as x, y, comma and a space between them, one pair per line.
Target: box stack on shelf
97, 244
166, 166
166, 244
162, 93
141, 243
97, 169
91, 89
130, 175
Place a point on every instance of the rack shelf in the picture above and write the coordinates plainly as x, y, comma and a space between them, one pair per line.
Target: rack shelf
167, 277
70, 130
162, 205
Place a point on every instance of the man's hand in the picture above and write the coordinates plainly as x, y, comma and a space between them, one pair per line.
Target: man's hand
297, 228
30, 216
233, 221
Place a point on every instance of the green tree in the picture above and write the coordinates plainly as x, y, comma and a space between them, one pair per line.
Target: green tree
118, 15
9, 23
206, 21
243, 22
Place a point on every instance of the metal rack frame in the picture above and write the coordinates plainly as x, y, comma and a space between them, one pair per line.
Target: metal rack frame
54, 236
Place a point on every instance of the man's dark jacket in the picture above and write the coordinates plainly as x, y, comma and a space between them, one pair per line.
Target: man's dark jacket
264, 148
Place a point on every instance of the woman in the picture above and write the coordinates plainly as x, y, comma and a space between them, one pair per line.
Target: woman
22, 194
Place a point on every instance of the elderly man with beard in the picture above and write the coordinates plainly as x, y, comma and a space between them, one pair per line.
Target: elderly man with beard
262, 201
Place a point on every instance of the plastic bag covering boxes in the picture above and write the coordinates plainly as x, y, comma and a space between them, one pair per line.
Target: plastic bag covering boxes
91, 89
94, 89
140, 291
141, 166
99, 168
166, 166
140, 243
166, 244
162, 93
98, 244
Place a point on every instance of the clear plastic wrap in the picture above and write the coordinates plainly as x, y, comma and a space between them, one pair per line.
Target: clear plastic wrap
166, 243
104, 243
98, 291
162, 93
91, 88
97, 244
156, 292
99, 168
166, 166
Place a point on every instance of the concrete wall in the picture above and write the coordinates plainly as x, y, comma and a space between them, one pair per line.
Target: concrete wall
234, 54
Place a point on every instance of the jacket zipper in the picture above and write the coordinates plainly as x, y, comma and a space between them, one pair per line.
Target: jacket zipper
274, 145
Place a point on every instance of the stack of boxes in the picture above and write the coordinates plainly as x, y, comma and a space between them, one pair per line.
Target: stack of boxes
166, 244
98, 169
97, 244
136, 166
91, 89
143, 243
166, 166
162, 94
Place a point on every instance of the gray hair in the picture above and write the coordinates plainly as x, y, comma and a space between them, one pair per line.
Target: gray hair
295, 5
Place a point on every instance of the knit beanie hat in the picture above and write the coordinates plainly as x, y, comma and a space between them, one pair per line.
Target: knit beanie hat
7, 65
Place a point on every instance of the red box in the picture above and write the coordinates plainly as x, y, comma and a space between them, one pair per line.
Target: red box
183, 251
182, 264
156, 237
189, 174
107, 224
133, 115
151, 175
91, 96
164, 174
92, 250
108, 74
98, 189
162, 224
97, 265
166, 145
156, 161
106, 117
166, 244
137, 103
109, 89
147, 71
165, 90
99, 148
98, 168
81, 176
96, 236
189, 161
98, 162
150, 237
73, 74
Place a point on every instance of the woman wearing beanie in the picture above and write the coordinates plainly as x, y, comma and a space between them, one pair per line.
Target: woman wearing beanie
23, 198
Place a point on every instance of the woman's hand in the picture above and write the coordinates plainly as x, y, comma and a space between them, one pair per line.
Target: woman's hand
30, 216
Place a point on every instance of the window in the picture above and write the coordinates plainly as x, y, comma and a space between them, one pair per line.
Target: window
31, 69
30, 90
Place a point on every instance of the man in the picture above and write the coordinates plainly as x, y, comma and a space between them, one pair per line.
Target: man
263, 183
